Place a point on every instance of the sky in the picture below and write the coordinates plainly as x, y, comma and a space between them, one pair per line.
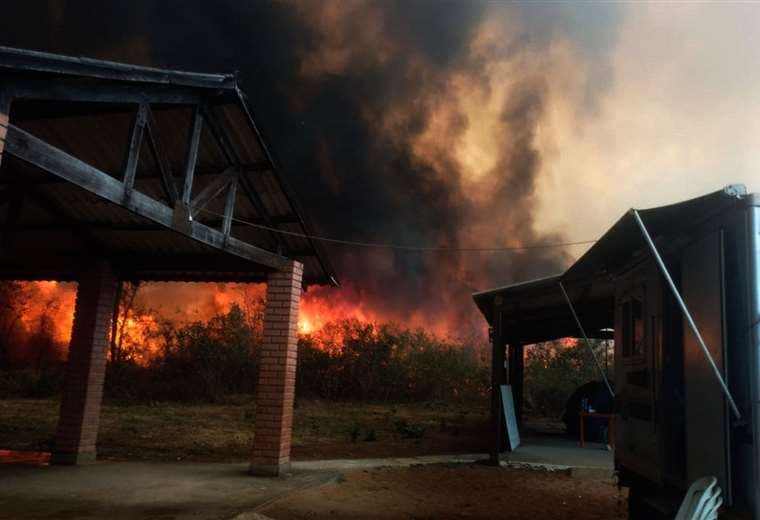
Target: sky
679, 118
457, 123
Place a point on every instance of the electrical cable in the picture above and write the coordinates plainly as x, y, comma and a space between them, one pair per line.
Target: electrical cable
378, 245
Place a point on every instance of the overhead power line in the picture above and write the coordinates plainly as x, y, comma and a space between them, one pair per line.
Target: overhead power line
401, 247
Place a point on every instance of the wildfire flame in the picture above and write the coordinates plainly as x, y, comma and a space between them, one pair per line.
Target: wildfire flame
55, 301
52, 303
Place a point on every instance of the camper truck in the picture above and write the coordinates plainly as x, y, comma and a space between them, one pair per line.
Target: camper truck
680, 287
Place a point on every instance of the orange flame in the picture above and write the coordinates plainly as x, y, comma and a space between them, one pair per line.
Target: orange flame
185, 302
53, 301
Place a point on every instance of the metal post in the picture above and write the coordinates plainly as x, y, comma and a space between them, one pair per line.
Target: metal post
686, 313
585, 338
497, 379
753, 234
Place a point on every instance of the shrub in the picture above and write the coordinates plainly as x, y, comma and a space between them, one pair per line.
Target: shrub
554, 370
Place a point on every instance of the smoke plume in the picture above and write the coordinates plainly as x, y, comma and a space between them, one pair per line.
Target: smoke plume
418, 123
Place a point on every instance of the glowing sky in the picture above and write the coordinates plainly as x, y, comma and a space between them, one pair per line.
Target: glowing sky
680, 117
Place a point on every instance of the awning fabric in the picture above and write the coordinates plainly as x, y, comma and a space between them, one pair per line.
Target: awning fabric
535, 311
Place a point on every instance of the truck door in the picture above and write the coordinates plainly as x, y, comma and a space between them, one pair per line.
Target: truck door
707, 413
638, 444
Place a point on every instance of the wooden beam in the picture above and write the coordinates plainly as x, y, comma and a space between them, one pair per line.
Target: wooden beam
33, 150
96, 225
164, 165
192, 155
212, 190
102, 92
229, 207
133, 150
220, 136
92, 225
200, 171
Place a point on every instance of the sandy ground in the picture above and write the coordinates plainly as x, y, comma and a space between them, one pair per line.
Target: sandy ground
455, 491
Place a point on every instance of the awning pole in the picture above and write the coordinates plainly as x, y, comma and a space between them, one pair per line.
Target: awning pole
686, 313
585, 338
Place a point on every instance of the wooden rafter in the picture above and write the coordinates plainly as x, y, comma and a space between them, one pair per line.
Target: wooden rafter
101, 93
164, 165
212, 190
133, 151
223, 140
35, 151
229, 207
191, 157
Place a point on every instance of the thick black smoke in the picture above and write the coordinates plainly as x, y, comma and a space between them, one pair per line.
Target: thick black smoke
346, 93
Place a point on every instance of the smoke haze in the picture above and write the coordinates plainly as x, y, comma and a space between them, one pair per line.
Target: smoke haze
453, 123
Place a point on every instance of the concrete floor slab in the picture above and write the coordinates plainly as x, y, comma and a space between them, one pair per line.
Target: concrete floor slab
116, 490
552, 452
562, 451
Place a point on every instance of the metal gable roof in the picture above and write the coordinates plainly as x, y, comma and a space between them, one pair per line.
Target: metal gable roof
29, 60
47, 103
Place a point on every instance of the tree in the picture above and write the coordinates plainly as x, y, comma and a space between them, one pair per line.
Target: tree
125, 300
14, 302
553, 370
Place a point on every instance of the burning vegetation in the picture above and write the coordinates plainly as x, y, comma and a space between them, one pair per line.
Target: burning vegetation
209, 351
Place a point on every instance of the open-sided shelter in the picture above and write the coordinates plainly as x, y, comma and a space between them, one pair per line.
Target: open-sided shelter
686, 402
115, 172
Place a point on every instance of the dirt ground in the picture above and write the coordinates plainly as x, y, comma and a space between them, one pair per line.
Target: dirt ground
223, 432
455, 491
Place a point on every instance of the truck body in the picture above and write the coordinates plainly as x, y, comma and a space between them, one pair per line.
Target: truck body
673, 420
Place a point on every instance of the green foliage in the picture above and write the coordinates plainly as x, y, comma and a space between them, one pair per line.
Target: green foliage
408, 430
554, 370
210, 360
31, 383
354, 433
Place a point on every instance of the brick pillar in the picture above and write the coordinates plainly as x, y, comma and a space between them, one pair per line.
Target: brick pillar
277, 373
85, 368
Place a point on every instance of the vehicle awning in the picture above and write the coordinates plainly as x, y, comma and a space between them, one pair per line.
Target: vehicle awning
536, 311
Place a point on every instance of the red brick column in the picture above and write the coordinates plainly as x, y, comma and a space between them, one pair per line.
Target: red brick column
85, 368
277, 373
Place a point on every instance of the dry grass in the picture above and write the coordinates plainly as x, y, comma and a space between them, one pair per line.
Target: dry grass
224, 432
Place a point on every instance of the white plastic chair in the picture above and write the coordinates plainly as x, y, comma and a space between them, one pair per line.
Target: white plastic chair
702, 501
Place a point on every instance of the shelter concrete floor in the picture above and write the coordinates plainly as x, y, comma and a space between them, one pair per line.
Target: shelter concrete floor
556, 450
117, 490
144, 490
